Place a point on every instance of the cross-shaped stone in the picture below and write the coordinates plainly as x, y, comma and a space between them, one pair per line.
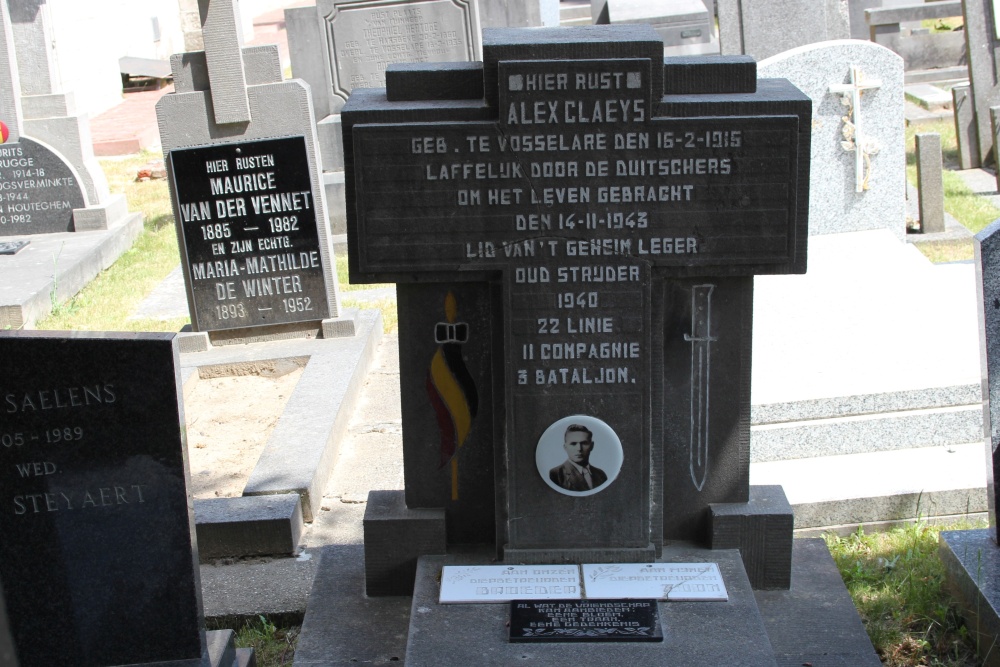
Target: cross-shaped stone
580, 193
854, 88
223, 37
10, 85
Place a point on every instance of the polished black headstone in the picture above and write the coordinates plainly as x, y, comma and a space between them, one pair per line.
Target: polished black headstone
38, 190
97, 554
611, 233
585, 621
251, 245
987, 248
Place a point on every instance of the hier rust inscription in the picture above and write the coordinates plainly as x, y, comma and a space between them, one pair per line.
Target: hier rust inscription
250, 231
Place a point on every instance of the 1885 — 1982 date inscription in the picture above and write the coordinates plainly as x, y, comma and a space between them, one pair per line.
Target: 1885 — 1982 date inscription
249, 224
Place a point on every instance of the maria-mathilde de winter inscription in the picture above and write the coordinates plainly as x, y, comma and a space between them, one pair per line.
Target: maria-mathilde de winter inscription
250, 237
580, 196
96, 546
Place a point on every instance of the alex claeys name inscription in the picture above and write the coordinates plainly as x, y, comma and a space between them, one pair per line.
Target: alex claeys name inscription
95, 522
249, 226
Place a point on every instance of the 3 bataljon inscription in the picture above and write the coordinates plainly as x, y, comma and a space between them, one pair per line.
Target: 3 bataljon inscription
249, 225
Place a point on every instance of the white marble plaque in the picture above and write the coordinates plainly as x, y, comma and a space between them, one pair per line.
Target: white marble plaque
503, 583
654, 581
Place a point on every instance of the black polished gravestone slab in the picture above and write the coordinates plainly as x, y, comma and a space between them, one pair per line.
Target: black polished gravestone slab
38, 190
251, 245
584, 621
611, 232
97, 557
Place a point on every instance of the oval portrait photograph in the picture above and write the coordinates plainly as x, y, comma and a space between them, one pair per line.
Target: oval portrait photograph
579, 455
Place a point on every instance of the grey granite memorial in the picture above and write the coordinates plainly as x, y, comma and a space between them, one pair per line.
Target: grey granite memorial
242, 161
50, 183
763, 28
339, 45
98, 561
940, 53
686, 26
982, 42
858, 178
53, 166
966, 133
972, 557
930, 183
574, 234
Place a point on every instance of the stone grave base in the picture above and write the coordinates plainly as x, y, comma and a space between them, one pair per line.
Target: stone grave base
814, 622
972, 566
222, 652
286, 486
54, 267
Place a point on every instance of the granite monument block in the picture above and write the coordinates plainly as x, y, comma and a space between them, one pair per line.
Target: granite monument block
987, 247
97, 558
982, 45
684, 23
930, 182
859, 146
564, 247
763, 28
248, 203
920, 49
339, 45
966, 133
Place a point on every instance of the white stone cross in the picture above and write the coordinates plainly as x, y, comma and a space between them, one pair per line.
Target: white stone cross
855, 87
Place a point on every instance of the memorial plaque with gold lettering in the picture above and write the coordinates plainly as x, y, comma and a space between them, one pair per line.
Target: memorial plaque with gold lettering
97, 557
251, 243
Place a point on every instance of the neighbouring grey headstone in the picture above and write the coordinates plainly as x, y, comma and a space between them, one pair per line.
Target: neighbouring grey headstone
763, 28
930, 183
507, 207
919, 48
966, 133
987, 246
519, 13
338, 45
995, 135
249, 204
98, 542
678, 23
983, 45
50, 182
851, 138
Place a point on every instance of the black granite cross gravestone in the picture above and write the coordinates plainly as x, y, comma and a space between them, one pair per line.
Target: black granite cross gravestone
599, 239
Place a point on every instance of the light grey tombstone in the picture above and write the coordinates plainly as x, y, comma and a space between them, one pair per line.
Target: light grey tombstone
49, 154
965, 127
338, 45
277, 109
519, 13
856, 16
987, 247
983, 49
679, 23
763, 28
930, 184
857, 180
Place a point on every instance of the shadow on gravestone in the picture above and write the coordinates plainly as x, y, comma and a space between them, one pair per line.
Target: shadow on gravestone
97, 558
591, 210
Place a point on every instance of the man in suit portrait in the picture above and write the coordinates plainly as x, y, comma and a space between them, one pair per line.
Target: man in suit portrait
576, 473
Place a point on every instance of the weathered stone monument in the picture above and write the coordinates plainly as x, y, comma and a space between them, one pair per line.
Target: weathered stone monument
972, 557
50, 183
763, 28
982, 34
242, 159
339, 45
97, 531
857, 180
54, 165
689, 23
574, 232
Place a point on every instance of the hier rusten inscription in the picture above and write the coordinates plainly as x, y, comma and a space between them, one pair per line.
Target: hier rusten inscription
96, 547
249, 225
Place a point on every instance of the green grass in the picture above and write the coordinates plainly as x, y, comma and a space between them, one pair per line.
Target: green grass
273, 646
973, 211
896, 580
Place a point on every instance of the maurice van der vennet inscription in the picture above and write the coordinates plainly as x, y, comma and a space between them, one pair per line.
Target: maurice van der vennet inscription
575, 621
95, 523
249, 225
